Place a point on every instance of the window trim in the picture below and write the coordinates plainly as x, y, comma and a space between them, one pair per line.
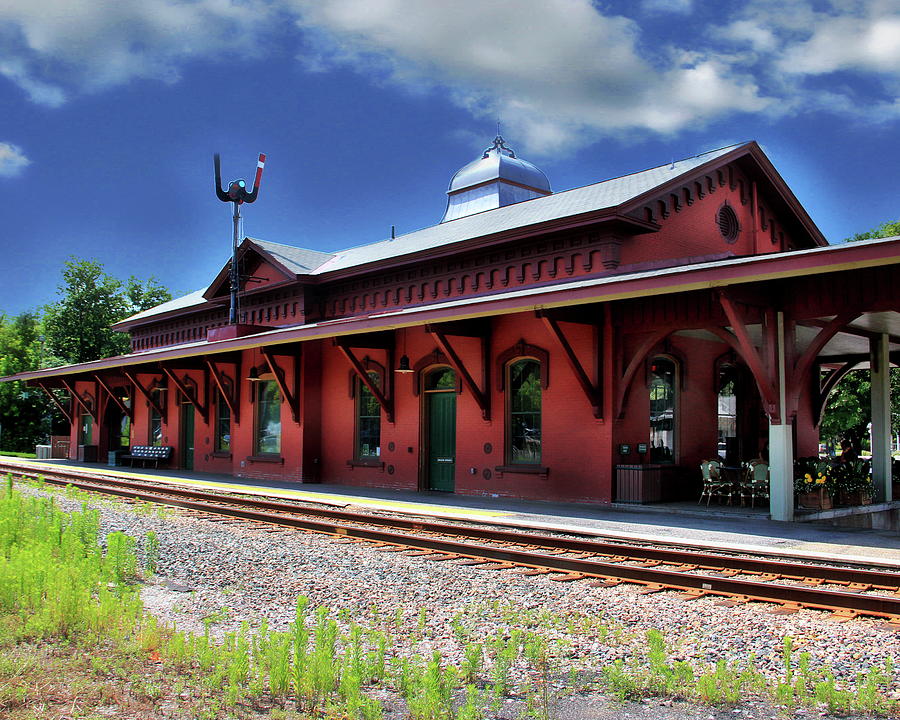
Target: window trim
86, 421
220, 404
523, 350
509, 464
359, 389
154, 417
677, 388
257, 455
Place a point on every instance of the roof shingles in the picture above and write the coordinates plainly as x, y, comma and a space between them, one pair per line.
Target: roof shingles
599, 196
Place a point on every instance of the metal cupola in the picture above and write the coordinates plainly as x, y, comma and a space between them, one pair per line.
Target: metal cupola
495, 179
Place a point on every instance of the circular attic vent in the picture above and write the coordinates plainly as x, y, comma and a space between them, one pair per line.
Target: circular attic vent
728, 223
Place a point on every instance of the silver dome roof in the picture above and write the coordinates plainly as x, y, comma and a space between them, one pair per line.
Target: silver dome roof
496, 179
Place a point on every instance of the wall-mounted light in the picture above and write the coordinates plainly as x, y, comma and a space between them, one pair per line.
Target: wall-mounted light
404, 367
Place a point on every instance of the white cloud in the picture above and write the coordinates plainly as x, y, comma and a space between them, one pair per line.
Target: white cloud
560, 73
835, 56
95, 44
12, 160
847, 43
667, 6
38, 92
557, 71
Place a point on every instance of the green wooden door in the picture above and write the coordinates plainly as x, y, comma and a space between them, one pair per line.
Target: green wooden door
187, 437
441, 440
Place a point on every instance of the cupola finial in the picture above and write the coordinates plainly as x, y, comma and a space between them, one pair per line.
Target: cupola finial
499, 146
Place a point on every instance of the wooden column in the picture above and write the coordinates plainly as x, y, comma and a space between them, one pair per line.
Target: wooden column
781, 439
880, 364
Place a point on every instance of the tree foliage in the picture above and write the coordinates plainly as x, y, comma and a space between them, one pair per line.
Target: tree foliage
849, 408
78, 324
886, 229
24, 418
74, 329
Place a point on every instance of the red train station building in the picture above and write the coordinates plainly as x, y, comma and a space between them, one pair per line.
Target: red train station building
525, 346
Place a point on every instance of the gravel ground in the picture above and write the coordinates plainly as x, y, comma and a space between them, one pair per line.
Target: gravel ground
234, 572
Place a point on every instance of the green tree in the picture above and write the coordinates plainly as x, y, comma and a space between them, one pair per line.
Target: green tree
849, 407
144, 295
24, 414
78, 324
886, 229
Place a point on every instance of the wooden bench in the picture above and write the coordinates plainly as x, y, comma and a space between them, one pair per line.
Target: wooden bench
146, 453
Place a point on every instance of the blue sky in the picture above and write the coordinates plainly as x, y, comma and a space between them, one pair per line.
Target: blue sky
112, 109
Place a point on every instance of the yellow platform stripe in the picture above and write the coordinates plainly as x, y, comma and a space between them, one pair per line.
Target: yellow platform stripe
309, 496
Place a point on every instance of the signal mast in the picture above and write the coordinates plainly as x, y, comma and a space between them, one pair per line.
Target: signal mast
237, 194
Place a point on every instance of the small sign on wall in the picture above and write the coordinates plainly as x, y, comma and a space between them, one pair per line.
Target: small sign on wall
624, 449
642, 448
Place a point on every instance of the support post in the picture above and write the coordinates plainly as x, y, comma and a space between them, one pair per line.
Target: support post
881, 417
781, 441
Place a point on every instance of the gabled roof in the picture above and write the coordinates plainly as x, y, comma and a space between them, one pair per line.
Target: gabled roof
613, 198
599, 196
181, 303
290, 261
299, 261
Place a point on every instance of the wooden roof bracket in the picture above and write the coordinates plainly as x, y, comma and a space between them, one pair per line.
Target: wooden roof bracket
593, 392
202, 408
483, 334
740, 340
386, 401
148, 396
637, 360
129, 411
828, 384
802, 367
67, 413
77, 400
293, 398
231, 397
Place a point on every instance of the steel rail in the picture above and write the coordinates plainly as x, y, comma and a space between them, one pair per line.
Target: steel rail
851, 575
885, 606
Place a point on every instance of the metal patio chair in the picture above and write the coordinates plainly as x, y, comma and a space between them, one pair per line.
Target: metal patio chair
756, 482
713, 484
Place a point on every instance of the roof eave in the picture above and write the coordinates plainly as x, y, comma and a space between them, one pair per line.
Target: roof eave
755, 268
600, 215
128, 324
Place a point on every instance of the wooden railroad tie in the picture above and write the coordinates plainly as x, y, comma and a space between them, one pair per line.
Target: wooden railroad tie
568, 577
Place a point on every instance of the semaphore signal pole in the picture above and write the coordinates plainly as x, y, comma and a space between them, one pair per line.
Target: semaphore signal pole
237, 194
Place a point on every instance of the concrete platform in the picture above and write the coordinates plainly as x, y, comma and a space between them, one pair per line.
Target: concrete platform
729, 527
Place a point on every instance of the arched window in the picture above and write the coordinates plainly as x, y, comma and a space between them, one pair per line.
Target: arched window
727, 412
663, 420
223, 425
268, 418
86, 430
368, 419
154, 426
524, 412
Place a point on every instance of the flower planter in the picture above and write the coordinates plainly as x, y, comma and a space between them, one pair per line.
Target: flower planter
818, 500
857, 497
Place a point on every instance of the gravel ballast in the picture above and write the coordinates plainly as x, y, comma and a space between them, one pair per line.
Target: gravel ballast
227, 573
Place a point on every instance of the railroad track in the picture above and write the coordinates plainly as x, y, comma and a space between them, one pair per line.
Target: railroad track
847, 590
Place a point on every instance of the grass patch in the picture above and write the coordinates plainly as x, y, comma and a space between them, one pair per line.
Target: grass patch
12, 453
74, 638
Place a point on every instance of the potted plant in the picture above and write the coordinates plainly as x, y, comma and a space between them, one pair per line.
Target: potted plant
813, 484
854, 480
